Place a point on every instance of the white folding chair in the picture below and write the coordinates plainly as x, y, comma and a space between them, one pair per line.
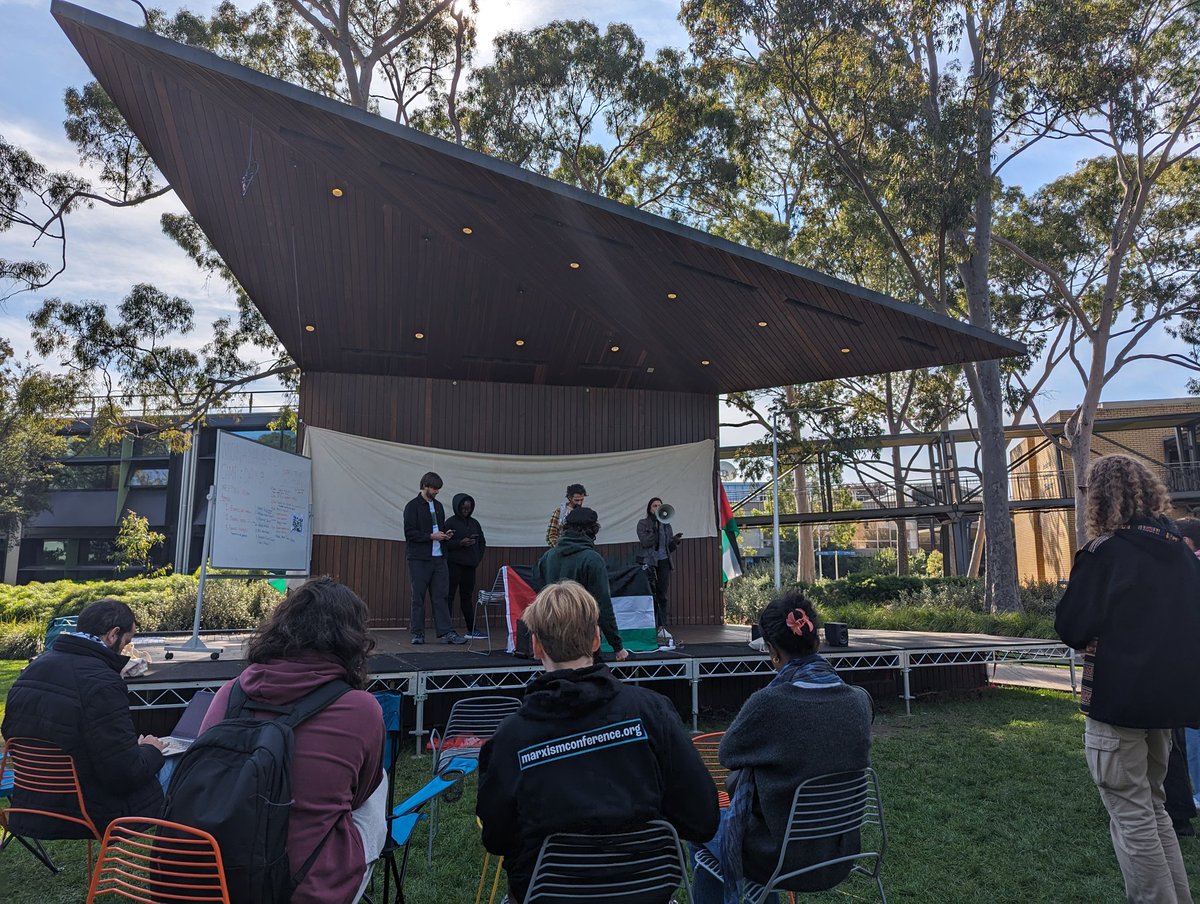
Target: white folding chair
472, 721
825, 806
643, 866
483, 604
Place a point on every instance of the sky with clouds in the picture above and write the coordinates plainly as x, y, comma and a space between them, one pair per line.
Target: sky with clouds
110, 249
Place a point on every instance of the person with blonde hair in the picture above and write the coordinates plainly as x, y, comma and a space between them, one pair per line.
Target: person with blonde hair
1132, 605
585, 753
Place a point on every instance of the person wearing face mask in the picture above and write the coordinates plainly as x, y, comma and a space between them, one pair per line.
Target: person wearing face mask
73, 698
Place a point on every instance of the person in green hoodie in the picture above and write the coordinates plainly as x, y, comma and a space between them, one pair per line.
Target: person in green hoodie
574, 558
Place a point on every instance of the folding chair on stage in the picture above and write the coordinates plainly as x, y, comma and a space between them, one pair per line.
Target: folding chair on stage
46, 775
824, 806
644, 866
485, 601
472, 721
708, 746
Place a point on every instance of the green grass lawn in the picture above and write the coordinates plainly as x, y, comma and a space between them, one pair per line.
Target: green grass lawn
986, 799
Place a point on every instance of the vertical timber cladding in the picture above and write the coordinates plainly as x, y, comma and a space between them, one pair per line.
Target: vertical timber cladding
514, 419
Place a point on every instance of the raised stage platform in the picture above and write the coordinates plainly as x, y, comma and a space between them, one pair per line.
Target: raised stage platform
891, 661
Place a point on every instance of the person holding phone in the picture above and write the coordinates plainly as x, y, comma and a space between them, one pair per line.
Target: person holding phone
424, 535
464, 552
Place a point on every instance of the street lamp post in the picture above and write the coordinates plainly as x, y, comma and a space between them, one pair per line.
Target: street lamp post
775, 495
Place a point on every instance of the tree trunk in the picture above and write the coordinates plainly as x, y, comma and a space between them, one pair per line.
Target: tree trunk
1001, 549
1079, 434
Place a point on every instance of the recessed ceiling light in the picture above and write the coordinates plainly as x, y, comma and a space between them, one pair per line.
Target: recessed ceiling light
762, 323
520, 342
309, 328
418, 335
706, 362
614, 348
845, 351
336, 192
672, 296
467, 230
574, 265
649, 370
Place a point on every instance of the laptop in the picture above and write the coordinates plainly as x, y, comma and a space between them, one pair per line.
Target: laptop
184, 733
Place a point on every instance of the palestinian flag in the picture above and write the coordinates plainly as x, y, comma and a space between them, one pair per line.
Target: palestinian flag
633, 604
518, 594
731, 556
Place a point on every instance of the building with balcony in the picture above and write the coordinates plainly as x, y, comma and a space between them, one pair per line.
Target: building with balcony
1160, 433
74, 537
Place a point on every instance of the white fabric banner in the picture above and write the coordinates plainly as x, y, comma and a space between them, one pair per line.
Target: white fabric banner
361, 485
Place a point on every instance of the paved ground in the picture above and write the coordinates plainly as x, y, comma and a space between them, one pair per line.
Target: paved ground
1053, 677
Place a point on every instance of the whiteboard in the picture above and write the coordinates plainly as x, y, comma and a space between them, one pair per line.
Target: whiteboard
263, 503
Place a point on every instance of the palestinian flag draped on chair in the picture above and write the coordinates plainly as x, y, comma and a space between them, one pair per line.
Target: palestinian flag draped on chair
632, 599
731, 556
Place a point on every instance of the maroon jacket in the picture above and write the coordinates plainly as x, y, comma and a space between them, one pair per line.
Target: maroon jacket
338, 762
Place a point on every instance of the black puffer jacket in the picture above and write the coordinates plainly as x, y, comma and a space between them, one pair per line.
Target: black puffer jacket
472, 554
1133, 605
74, 697
587, 753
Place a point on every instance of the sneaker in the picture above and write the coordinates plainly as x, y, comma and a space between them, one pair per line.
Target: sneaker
452, 637
416, 639
664, 636
477, 635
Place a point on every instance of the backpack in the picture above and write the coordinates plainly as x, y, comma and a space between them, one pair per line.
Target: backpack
235, 782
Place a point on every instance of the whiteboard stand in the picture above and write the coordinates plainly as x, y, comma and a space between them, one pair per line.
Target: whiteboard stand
194, 644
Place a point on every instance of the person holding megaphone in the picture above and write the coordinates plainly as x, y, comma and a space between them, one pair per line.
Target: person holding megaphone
654, 554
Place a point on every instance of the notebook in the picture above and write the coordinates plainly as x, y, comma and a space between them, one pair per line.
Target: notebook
181, 738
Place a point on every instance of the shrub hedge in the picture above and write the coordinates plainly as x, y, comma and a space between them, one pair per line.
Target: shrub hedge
903, 603
159, 604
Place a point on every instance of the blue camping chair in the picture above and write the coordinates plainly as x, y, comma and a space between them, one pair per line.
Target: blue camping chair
64, 625
408, 813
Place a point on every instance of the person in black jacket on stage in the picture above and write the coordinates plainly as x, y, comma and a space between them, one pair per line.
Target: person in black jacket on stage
1132, 605
74, 698
424, 534
464, 552
656, 542
585, 753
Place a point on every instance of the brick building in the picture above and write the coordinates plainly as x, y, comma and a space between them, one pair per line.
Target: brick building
1161, 433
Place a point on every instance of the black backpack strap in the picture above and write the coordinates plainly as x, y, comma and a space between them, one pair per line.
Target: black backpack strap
239, 701
305, 708
314, 701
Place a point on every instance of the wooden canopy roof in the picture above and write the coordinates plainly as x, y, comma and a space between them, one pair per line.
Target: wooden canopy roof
373, 248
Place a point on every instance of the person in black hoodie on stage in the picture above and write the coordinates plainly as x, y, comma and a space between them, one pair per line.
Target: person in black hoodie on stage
1132, 606
464, 552
585, 753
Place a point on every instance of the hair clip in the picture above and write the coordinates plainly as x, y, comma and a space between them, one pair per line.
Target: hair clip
803, 624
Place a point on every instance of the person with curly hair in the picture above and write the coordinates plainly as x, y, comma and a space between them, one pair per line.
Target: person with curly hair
318, 634
1132, 605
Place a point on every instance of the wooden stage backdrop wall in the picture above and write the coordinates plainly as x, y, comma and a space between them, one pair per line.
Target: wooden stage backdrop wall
515, 419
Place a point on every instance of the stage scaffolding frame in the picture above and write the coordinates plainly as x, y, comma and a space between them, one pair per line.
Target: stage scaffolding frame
420, 685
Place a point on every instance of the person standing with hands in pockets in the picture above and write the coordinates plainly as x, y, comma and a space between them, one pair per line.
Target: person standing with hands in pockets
423, 539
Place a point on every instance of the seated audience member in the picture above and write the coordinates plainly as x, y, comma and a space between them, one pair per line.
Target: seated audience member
316, 635
574, 558
806, 722
630, 760
73, 697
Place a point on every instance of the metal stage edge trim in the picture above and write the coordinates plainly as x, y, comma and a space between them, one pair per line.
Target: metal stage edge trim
421, 684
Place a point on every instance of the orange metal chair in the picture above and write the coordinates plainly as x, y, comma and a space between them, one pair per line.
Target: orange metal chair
149, 860
706, 745
43, 770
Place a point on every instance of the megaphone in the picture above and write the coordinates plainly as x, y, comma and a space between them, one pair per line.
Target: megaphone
664, 513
